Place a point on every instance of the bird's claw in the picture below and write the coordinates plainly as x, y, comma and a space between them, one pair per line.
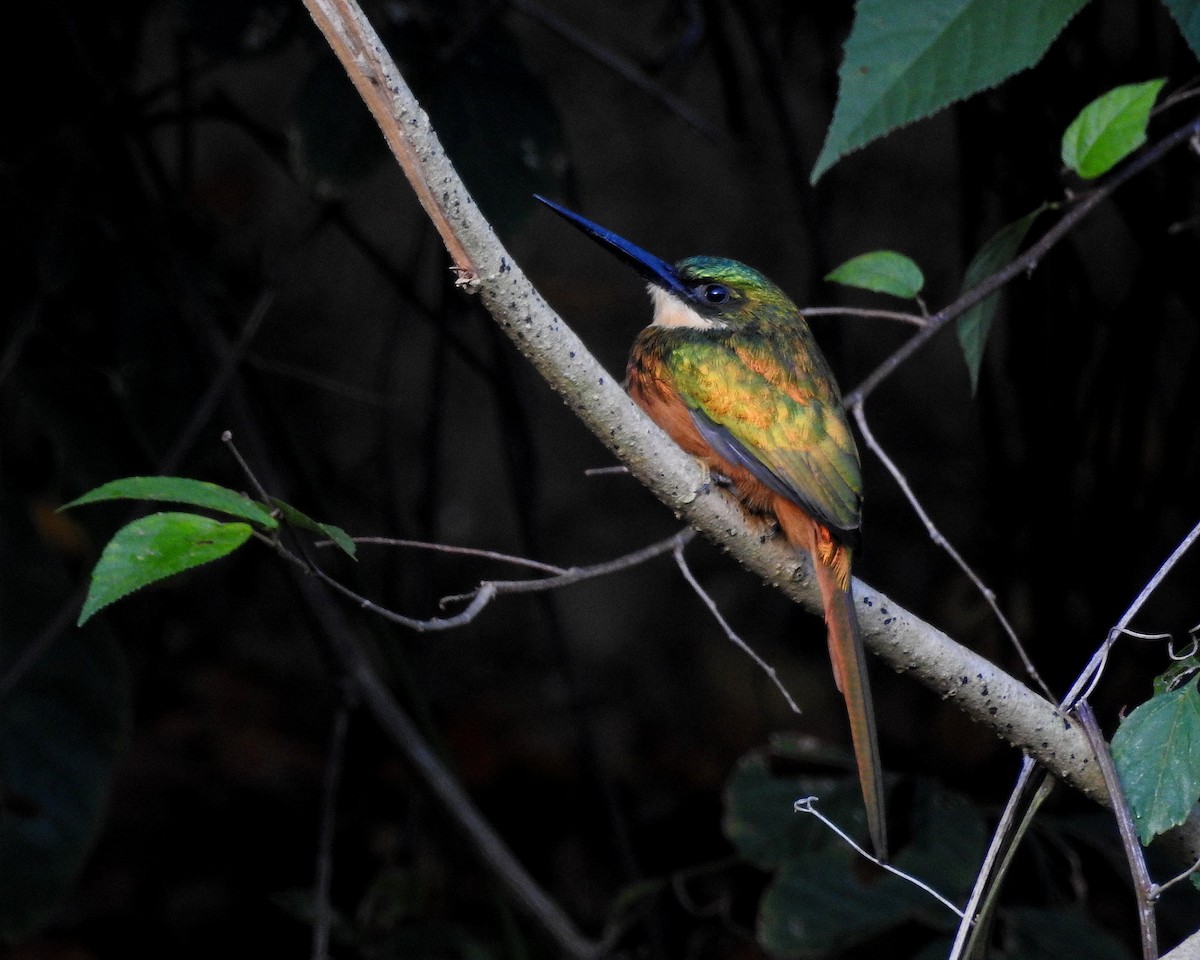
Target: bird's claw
714, 478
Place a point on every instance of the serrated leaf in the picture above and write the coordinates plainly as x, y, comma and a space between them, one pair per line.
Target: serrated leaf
904, 61
974, 325
340, 538
156, 547
883, 271
1157, 754
1109, 128
1187, 16
196, 493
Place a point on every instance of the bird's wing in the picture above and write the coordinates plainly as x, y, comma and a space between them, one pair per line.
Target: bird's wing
780, 421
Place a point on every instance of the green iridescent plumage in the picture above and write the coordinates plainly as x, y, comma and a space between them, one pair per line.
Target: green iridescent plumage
730, 370
756, 372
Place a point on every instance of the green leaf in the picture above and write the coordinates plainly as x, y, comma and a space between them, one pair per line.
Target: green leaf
974, 325
1187, 15
1157, 754
883, 271
196, 493
904, 61
1109, 128
339, 536
156, 547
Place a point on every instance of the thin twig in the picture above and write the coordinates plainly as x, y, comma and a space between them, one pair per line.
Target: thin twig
231, 357
1157, 637
574, 575
218, 385
907, 643
620, 65
453, 799
488, 590
807, 805
1032, 788
1027, 261
940, 540
360, 673
1008, 834
1143, 886
1087, 679
913, 319
322, 910
460, 551
329, 384
1187, 874
729, 632
227, 439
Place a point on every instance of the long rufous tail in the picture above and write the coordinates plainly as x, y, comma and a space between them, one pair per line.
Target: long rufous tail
850, 672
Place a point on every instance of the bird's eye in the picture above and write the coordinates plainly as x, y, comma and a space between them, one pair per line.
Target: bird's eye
714, 292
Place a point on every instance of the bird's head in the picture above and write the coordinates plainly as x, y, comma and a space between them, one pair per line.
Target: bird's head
706, 293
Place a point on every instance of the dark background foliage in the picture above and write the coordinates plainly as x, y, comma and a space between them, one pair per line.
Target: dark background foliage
174, 169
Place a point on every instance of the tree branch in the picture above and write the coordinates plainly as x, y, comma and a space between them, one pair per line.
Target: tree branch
907, 643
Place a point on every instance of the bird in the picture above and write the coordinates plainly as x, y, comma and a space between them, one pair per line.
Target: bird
729, 369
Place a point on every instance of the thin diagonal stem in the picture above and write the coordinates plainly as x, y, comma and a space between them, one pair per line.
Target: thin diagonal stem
1033, 786
708, 601
913, 319
459, 551
1088, 677
938, 538
1142, 884
322, 911
1027, 261
808, 805
619, 65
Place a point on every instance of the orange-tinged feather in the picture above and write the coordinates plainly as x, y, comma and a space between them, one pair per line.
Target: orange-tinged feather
831, 564
811, 446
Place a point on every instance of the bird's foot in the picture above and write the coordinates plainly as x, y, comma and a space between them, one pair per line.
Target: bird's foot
770, 530
713, 478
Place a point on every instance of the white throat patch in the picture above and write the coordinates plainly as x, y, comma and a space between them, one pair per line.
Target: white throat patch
670, 311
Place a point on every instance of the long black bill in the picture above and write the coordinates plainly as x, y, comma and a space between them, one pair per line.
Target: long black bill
653, 268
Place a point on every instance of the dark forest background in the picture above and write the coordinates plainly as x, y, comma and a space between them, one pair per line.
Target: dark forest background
174, 173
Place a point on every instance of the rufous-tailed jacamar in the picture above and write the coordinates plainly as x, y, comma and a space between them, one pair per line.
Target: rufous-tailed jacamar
730, 370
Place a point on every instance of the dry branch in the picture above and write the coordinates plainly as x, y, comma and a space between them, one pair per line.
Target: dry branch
907, 643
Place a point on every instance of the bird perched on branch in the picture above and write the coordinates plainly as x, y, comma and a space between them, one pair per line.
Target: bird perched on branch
730, 370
